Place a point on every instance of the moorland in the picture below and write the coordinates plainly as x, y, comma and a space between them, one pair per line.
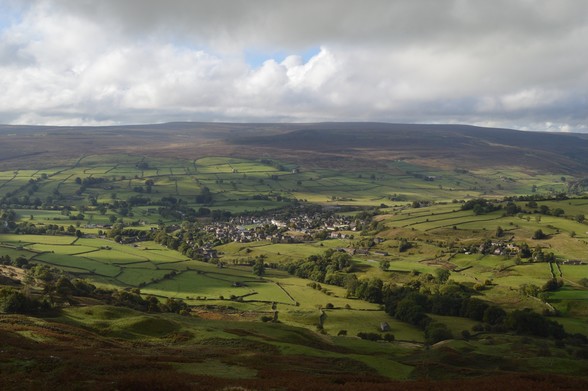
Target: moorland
292, 256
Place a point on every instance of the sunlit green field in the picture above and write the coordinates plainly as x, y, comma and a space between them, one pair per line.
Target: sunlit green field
438, 229
234, 182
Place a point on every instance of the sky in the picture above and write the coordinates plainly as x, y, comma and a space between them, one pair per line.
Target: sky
519, 64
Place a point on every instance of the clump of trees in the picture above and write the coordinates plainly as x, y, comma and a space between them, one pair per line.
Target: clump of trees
404, 245
20, 262
480, 206
330, 267
259, 266
371, 290
539, 235
410, 304
373, 336
58, 288
14, 301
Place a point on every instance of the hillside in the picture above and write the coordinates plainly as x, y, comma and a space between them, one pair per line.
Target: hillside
453, 145
337, 256
434, 145
105, 348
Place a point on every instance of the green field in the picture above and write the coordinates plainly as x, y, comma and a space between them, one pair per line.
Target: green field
410, 202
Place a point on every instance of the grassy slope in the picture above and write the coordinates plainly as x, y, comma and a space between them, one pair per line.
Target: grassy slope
87, 346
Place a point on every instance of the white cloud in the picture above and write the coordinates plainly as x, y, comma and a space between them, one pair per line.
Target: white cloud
508, 63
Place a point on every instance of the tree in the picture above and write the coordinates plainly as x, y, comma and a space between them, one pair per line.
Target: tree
259, 267
552, 285
12, 301
539, 234
404, 245
205, 196
436, 332
529, 290
530, 323
511, 209
494, 315
385, 264
538, 255
499, 232
410, 311
580, 218
322, 318
525, 251
442, 275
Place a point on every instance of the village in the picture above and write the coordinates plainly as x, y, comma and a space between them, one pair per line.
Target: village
278, 229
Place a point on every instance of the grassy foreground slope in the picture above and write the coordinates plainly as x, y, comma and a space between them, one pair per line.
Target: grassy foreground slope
102, 347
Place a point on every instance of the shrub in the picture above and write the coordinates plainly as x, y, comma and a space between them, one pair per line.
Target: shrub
369, 336
552, 285
15, 302
436, 332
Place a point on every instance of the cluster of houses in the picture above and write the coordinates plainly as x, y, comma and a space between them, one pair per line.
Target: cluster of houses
494, 248
227, 233
277, 229
245, 229
572, 262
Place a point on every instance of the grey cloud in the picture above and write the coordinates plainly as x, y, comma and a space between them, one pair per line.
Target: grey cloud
517, 63
14, 55
304, 22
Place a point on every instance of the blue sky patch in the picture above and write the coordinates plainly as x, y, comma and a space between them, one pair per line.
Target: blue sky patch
256, 58
10, 14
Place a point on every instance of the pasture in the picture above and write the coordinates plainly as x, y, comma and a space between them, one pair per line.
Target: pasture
236, 184
94, 191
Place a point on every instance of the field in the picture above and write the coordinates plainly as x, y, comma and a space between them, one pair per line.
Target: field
148, 267
438, 228
234, 183
89, 215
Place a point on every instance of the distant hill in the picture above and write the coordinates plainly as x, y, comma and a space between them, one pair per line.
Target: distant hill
458, 145
359, 142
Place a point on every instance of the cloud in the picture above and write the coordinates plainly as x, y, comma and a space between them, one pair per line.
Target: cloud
509, 63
